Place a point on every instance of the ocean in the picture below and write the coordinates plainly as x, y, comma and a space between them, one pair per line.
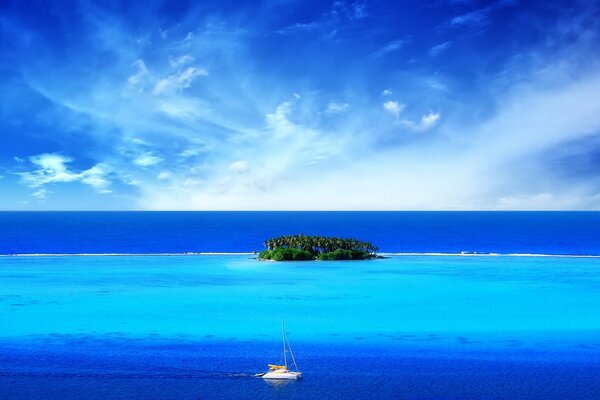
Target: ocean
180, 232
513, 317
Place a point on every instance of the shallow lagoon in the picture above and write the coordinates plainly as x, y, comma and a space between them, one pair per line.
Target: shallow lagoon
194, 326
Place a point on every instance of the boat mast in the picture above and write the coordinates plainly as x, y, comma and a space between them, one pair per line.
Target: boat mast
283, 337
293, 359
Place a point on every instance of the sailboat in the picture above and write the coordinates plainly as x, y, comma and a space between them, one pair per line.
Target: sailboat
283, 371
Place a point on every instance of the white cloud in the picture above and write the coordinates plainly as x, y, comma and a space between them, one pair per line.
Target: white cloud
434, 82
147, 159
265, 158
52, 168
178, 81
141, 73
191, 182
239, 166
389, 47
336, 107
330, 23
426, 122
359, 10
279, 122
386, 92
474, 18
138, 141
181, 61
429, 120
96, 177
40, 194
301, 28
481, 17
163, 175
435, 50
393, 107
190, 152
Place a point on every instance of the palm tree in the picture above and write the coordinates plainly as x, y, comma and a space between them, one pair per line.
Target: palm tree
319, 244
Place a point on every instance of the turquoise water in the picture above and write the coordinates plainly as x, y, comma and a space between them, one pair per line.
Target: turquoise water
195, 296
199, 323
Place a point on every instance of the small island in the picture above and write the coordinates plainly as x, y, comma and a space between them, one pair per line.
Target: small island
311, 248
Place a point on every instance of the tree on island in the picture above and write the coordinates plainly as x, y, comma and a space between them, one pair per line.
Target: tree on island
306, 248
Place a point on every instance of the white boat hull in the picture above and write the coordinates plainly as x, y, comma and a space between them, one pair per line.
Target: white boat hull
283, 375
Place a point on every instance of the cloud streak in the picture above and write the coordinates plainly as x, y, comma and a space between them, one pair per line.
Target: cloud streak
389, 47
178, 81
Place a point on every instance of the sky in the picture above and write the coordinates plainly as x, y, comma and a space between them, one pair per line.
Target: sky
299, 105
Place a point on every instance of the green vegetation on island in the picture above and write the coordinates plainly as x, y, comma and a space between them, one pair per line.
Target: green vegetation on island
309, 248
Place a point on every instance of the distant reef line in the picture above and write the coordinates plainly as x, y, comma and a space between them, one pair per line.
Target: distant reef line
386, 254
182, 254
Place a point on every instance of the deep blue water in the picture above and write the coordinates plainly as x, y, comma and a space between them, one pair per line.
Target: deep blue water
175, 371
177, 232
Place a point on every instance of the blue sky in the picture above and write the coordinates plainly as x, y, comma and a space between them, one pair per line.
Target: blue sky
252, 105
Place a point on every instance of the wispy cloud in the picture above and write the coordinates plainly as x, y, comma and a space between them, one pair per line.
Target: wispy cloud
480, 17
389, 47
239, 166
336, 107
177, 62
52, 168
359, 10
340, 16
40, 194
163, 175
178, 81
147, 159
426, 122
435, 82
141, 73
300, 27
438, 49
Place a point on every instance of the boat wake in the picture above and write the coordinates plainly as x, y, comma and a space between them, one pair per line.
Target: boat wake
193, 374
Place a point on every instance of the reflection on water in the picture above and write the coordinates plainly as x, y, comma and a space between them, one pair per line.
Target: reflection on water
279, 383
